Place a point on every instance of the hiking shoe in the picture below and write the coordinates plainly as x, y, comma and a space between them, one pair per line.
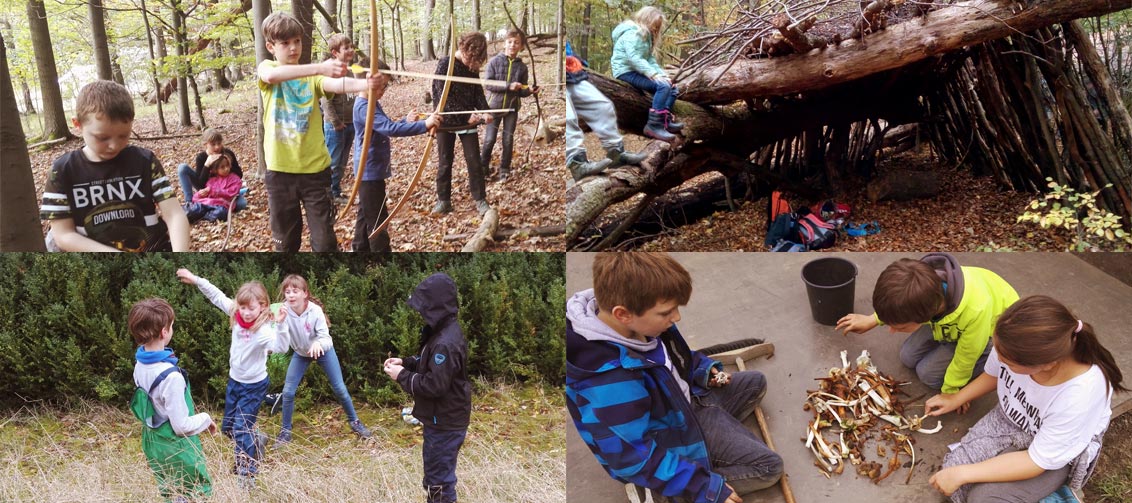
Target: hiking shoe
441, 208
260, 445
504, 175
283, 439
655, 127
273, 401
360, 428
482, 207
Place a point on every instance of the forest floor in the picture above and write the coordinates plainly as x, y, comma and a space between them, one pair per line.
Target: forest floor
532, 197
1112, 480
515, 452
970, 214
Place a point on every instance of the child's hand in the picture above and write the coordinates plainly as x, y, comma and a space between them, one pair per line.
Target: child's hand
393, 370
280, 315
515, 86
535, 90
943, 403
948, 480
211, 159
487, 118
394, 361
856, 323
204, 192
333, 68
718, 379
211, 426
373, 82
315, 350
186, 276
432, 121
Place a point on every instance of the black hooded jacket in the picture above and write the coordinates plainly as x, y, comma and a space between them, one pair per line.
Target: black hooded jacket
437, 378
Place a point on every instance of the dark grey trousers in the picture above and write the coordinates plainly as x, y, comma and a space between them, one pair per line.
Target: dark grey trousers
446, 150
288, 195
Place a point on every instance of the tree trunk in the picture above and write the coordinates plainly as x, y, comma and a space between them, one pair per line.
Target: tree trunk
153, 70
218, 74
561, 49
427, 51
196, 97
181, 66
584, 45
20, 228
116, 67
54, 119
303, 10
98, 39
944, 30
260, 10
1108, 92
29, 104
348, 25
476, 14
328, 26
401, 35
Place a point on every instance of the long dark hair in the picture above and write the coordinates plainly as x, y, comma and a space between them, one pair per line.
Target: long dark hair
1038, 330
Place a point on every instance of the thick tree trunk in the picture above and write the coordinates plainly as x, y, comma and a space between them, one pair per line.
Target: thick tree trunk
99, 40
330, 25
19, 229
303, 10
1109, 93
944, 30
54, 119
476, 14
427, 50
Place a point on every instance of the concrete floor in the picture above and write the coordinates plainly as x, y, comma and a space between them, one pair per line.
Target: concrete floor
743, 295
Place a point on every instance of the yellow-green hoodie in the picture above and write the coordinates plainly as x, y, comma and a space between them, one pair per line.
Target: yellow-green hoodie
975, 298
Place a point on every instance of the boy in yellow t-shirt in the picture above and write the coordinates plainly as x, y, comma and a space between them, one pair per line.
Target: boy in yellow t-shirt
298, 164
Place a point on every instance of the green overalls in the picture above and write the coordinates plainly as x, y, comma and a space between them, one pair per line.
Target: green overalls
176, 461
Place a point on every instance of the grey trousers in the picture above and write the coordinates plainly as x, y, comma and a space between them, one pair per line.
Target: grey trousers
585, 102
744, 461
288, 194
930, 357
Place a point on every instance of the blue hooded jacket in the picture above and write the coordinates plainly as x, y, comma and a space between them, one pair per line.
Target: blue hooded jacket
631, 411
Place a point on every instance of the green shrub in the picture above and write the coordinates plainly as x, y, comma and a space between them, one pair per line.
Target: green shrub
63, 334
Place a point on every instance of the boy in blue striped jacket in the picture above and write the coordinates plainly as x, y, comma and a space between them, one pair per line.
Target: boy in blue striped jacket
648, 407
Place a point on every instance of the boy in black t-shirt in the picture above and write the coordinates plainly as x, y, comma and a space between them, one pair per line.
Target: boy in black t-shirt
105, 196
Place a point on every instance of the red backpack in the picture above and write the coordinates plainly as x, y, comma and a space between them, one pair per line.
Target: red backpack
815, 233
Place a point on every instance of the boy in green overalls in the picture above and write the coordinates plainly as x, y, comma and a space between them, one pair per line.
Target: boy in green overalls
170, 426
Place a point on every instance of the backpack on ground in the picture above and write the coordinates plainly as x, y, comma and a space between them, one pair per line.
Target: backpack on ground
815, 233
780, 221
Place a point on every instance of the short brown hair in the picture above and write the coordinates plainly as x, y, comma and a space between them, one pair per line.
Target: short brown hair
474, 46
515, 33
638, 281
106, 98
280, 26
212, 135
336, 41
224, 159
908, 291
148, 318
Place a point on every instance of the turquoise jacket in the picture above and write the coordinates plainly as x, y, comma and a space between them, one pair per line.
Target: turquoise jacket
632, 51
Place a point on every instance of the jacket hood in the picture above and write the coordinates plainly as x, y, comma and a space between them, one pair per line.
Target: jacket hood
952, 275
435, 299
623, 28
581, 310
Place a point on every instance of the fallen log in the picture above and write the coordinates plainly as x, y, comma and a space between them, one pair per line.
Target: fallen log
504, 234
484, 235
948, 29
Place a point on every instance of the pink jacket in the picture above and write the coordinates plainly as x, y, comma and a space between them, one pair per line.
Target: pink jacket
221, 190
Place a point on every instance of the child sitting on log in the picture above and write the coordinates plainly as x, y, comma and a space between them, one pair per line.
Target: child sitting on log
635, 42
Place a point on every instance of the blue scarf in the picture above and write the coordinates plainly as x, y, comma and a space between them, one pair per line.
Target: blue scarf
147, 357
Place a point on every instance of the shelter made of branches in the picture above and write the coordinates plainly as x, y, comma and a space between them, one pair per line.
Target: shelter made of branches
800, 91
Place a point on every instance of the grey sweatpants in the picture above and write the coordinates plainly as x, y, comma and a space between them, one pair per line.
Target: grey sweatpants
585, 102
994, 434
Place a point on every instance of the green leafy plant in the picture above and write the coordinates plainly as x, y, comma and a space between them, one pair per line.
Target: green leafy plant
1093, 228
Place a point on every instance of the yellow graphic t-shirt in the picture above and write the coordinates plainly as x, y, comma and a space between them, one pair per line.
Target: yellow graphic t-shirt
292, 125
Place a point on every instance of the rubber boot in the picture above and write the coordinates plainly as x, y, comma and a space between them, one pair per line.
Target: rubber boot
619, 156
655, 127
581, 167
670, 123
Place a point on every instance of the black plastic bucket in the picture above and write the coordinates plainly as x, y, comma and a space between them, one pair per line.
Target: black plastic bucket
830, 284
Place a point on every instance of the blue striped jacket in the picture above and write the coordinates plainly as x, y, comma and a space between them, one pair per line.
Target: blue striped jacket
633, 416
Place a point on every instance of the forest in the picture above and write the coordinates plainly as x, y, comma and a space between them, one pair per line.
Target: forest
191, 66
956, 125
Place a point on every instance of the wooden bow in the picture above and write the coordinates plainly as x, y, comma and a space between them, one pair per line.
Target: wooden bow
432, 138
371, 105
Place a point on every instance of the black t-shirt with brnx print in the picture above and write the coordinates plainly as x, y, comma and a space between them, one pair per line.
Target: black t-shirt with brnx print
113, 202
